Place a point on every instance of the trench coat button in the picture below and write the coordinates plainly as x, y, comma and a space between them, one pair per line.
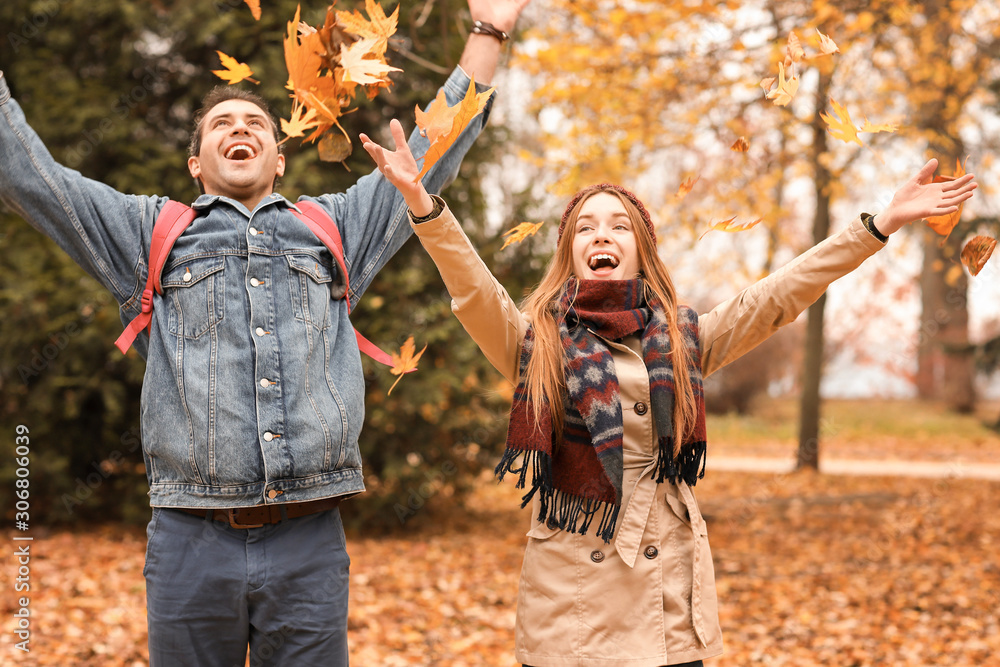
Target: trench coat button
551, 523
640, 408
597, 556
651, 552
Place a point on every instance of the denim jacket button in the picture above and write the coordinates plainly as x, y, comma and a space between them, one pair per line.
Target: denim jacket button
253, 231
268, 436
264, 382
254, 282
187, 276
272, 494
260, 331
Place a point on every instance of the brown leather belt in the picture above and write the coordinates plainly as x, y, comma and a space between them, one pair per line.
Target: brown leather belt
257, 516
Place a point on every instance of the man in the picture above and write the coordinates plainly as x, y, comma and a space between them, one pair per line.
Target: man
252, 401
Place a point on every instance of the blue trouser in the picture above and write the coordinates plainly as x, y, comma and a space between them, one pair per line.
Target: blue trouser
212, 591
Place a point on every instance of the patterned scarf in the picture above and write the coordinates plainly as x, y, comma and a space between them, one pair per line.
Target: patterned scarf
583, 475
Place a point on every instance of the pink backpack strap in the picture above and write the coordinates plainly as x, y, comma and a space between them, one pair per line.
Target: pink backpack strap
322, 225
171, 222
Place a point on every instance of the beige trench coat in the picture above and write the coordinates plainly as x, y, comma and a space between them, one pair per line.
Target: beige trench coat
648, 598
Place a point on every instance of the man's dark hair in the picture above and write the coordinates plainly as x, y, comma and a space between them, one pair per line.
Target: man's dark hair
221, 94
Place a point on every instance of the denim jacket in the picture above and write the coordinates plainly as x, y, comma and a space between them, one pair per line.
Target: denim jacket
253, 390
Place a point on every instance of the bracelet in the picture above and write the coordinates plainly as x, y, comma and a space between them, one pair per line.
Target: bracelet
435, 212
483, 28
868, 220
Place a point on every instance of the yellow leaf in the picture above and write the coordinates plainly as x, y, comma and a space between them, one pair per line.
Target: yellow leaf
379, 26
977, 252
358, 68
786, 88
872, 128
520, 232
731, 225
826, 45
741, 145
254, 6
235, 71
685, 187
841, 127
404, 362
794, 48
435, 125
943, 224
766, 83
299, 122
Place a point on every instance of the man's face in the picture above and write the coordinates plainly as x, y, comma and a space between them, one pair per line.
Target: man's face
239, 156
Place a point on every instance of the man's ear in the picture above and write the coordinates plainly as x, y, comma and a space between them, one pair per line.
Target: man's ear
279, 172
194, 166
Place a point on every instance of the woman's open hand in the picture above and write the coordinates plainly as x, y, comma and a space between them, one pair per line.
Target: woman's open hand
922, 198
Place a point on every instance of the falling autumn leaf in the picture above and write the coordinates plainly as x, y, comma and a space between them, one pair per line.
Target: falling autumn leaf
943, 224
235, 71
360, 69
977, 252
786, 89
378, 26
254, 6
826, 45
685, 187
841, 127
730, 225
872, 128
520, 232
404, 362
794, 48
297, 125
442, 124
741, 145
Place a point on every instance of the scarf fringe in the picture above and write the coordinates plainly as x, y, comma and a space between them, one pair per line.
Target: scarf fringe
557, 508
689, 466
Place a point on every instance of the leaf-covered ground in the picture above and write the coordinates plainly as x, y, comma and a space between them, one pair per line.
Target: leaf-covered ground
812, 570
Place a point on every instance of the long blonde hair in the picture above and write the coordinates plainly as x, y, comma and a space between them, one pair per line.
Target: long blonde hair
544, 377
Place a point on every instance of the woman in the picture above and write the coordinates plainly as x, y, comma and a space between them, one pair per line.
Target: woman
608, 413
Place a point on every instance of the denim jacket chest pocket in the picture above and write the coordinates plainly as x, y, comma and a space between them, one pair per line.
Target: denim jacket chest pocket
196, 296
309, 285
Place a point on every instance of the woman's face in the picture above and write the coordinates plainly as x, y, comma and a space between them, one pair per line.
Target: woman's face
604, 245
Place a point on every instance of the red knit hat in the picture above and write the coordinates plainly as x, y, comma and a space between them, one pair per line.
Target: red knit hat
607, 186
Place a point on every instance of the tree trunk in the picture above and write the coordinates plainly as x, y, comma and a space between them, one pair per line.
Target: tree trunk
812, 372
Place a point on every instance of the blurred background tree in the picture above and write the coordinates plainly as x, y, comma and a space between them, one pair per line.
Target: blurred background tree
111, 87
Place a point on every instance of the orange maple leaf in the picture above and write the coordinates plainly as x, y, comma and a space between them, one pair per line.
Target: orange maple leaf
235, 70
943, 224
977, 252
741, 145
435, 125
254, 6
520, 232
872, 128
685, 187
358, 68
404, 362
378, 26
730, 225
786, 89
297, 125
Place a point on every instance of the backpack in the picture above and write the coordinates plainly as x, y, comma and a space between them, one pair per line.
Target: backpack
175, 217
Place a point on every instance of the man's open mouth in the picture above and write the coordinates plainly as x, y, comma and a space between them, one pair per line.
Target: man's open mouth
241, 152
602, 260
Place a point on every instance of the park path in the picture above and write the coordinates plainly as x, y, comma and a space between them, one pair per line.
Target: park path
884, 468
